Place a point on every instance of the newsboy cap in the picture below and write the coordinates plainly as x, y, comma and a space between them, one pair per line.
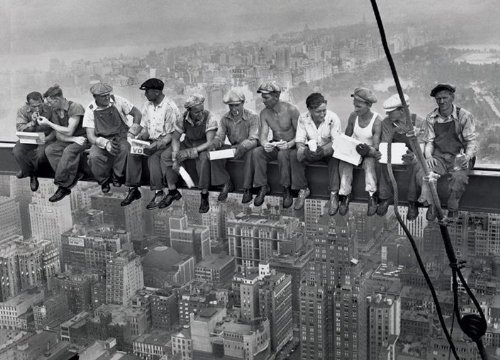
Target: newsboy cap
268, 87
442, 86
194, 100
101, 89
365, 95
233, 97
153, 83
394, 102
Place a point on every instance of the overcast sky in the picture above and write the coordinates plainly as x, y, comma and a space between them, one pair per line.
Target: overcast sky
50, 25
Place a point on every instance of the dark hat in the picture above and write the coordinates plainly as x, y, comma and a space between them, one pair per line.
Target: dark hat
152, 83
54, 90
443, 86
365, 95
268, 87
101, 89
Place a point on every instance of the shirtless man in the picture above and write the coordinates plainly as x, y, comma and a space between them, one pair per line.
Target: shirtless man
281, 117
363, 125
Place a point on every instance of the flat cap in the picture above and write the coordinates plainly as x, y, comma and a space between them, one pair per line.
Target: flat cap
153, 83
268, 87
101, 89
54, 90
394, 102
194, 100
233, 96
365, 95
442, 86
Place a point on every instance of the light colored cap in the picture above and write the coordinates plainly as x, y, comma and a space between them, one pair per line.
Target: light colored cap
194, 100
233, 96
101, 89
394, 102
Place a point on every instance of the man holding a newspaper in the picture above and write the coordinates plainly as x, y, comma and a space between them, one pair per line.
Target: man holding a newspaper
29, 151
159, 115
198, 126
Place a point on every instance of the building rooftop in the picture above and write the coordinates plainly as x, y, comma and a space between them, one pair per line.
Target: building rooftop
26, 296
215, 261
78, 318
155, 338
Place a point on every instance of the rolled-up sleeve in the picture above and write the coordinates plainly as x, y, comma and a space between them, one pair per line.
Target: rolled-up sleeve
335, 128
212, 123
22, 122
469, 134
88, 118
145, 117
301, 134
429, 134
220, 136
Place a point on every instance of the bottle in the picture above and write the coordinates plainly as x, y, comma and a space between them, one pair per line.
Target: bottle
459, 162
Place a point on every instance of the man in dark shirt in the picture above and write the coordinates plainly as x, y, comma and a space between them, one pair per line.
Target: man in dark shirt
30, 156
65, 153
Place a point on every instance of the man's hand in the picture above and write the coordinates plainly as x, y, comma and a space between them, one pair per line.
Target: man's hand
80, 140
240, 152
113, 147
135, 129
42, 120
301, 153
408, 158
374, 153
176, 166
149, 150
431, 162
463, 161
268, 147
212, 146
184, 154
316, 155
283, 145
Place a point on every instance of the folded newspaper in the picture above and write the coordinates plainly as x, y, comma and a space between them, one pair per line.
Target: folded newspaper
397, 152
344, 148
35, 138
137, 146
221, 154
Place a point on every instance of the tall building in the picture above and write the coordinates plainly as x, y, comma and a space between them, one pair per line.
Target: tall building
189, 239
20, 191
123, 277
314, 329
416, 226
10, 217
384, 318
122, 217
9, 267
215, 219
255, 238
161, 226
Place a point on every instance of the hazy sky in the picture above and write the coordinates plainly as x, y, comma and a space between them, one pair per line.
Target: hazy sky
35, 25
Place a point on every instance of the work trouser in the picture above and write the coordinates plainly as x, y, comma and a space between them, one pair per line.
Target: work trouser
202, 165
385, 190
104, 165
346, 170
29, 157
457, 181
134, 170
64, 157
262, 157
220, 175
299, 180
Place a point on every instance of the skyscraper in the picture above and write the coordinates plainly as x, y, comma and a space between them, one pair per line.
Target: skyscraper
10, 217
124, 277
189, 239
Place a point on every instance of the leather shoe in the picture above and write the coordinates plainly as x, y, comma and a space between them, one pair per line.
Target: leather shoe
333, 204
116, 181
412, 211
226, 189
431, 213
259, 199
383, 206
372, 205
287, 198
155, 201
247, 196
60, 193
105, 188
344, 204
19, 174
169, 199
34, 183
204, 204
133, 194
301, 199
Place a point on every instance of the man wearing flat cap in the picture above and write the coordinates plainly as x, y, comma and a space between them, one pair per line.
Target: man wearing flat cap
159, 115
65, 153
199, 127
450, 146
363, 125
281, 117
106, 124
394, 126
30, 156
241, 126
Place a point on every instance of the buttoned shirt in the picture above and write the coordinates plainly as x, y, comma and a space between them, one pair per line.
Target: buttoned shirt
24, 119
323, 134
160, 119
465, 128
210, 125
68, 110
246, 127
123, 105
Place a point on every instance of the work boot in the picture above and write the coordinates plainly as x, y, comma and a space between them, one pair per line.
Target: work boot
19, 174
261, 196
287, 197
333, 204
204, 205
133, 194
372, 205
412, 211
115, 180
105, 188
169, 199
301, 199
226, 189
383, 206
344, 204
59, 194
431, 213
155, 201
34, 184
247, 196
